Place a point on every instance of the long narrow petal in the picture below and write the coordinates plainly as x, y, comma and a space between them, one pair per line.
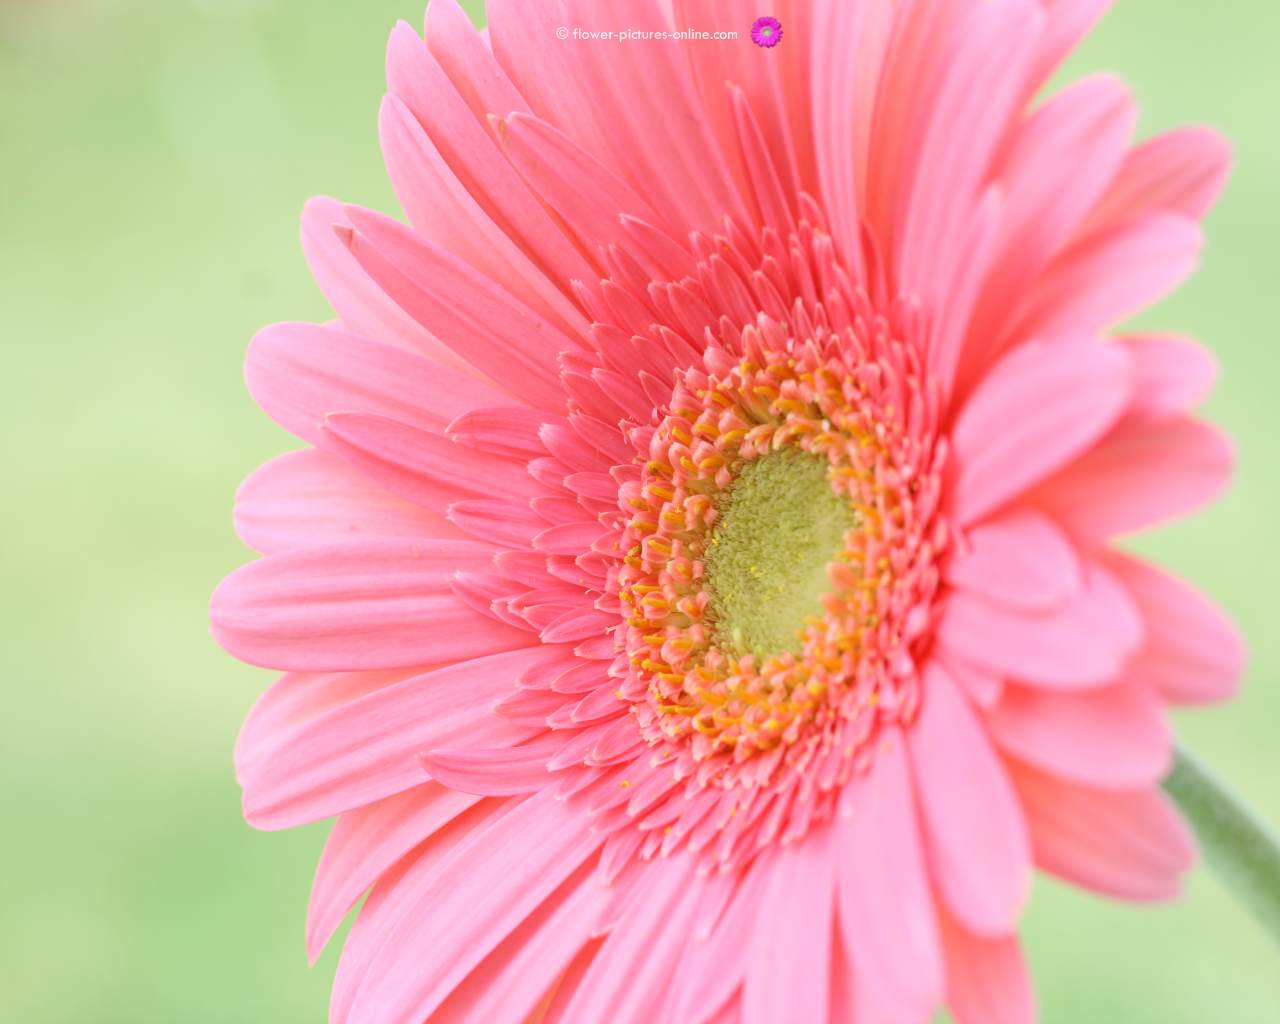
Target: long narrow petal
788, 974
1194, 654
448, 918
1085, 643
419, 465
1129, 844
627, 980
1142, 474
309, 498
1113, 738
1020, 559
987, 979
357, 606
366, 842
362, 306
885, 906
511, 982
1041, 406
482, 322
1182, 170
299, 372
975, 837
364, 749
1109, 275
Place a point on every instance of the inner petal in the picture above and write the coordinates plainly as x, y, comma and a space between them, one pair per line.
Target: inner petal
779, 526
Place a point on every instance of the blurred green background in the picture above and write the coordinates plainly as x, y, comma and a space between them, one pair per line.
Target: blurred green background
155, 157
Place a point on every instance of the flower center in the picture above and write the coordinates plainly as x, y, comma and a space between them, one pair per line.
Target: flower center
779, 526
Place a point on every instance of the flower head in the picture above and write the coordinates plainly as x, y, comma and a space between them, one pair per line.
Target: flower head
766, 31
699, 599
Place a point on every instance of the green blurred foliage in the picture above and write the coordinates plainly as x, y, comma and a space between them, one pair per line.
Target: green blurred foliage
155, 157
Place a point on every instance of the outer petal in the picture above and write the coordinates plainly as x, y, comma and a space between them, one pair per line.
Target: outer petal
420, 466
1128, 844
299, 372
374, 605
1040, 406
363, 749
1056, 165
1112, 738
536, 961
309, 498
449, 916
1085, 643
362, 305
1171, 374
975, 839
1143, 473
298, 698
987, 979
1182, 170
885, 907
1109, 275
628, 978
365, 843
479, 320
1193, 653
1019, 559
788, 975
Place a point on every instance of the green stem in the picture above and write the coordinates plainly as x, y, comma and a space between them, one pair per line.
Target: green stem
1242, 849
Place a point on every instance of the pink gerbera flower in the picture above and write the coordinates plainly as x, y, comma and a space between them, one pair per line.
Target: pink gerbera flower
698, 599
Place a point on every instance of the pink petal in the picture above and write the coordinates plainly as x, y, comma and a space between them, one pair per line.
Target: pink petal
987, 978
1018, 558
1110, 275
495, 771
1129, 844
479, 320
1112, 738
844, 74
458, 190
713, 967
1182, 170
448, 917
1171, 375
1056, 165
299, 372
635, 97
514, 979
380, 910
420, 466
502, 430
788, 970
364, 749
467, 58
974, 837
366, 842
296, 699
885, 906
587, 195
357, 606
1085, 643
1067, 23
1142, 474
309, 498
1194, 654
628, 979
966, 120
1041, 406
364, 308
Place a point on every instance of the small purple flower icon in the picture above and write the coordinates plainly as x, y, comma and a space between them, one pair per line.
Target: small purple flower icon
766, 31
